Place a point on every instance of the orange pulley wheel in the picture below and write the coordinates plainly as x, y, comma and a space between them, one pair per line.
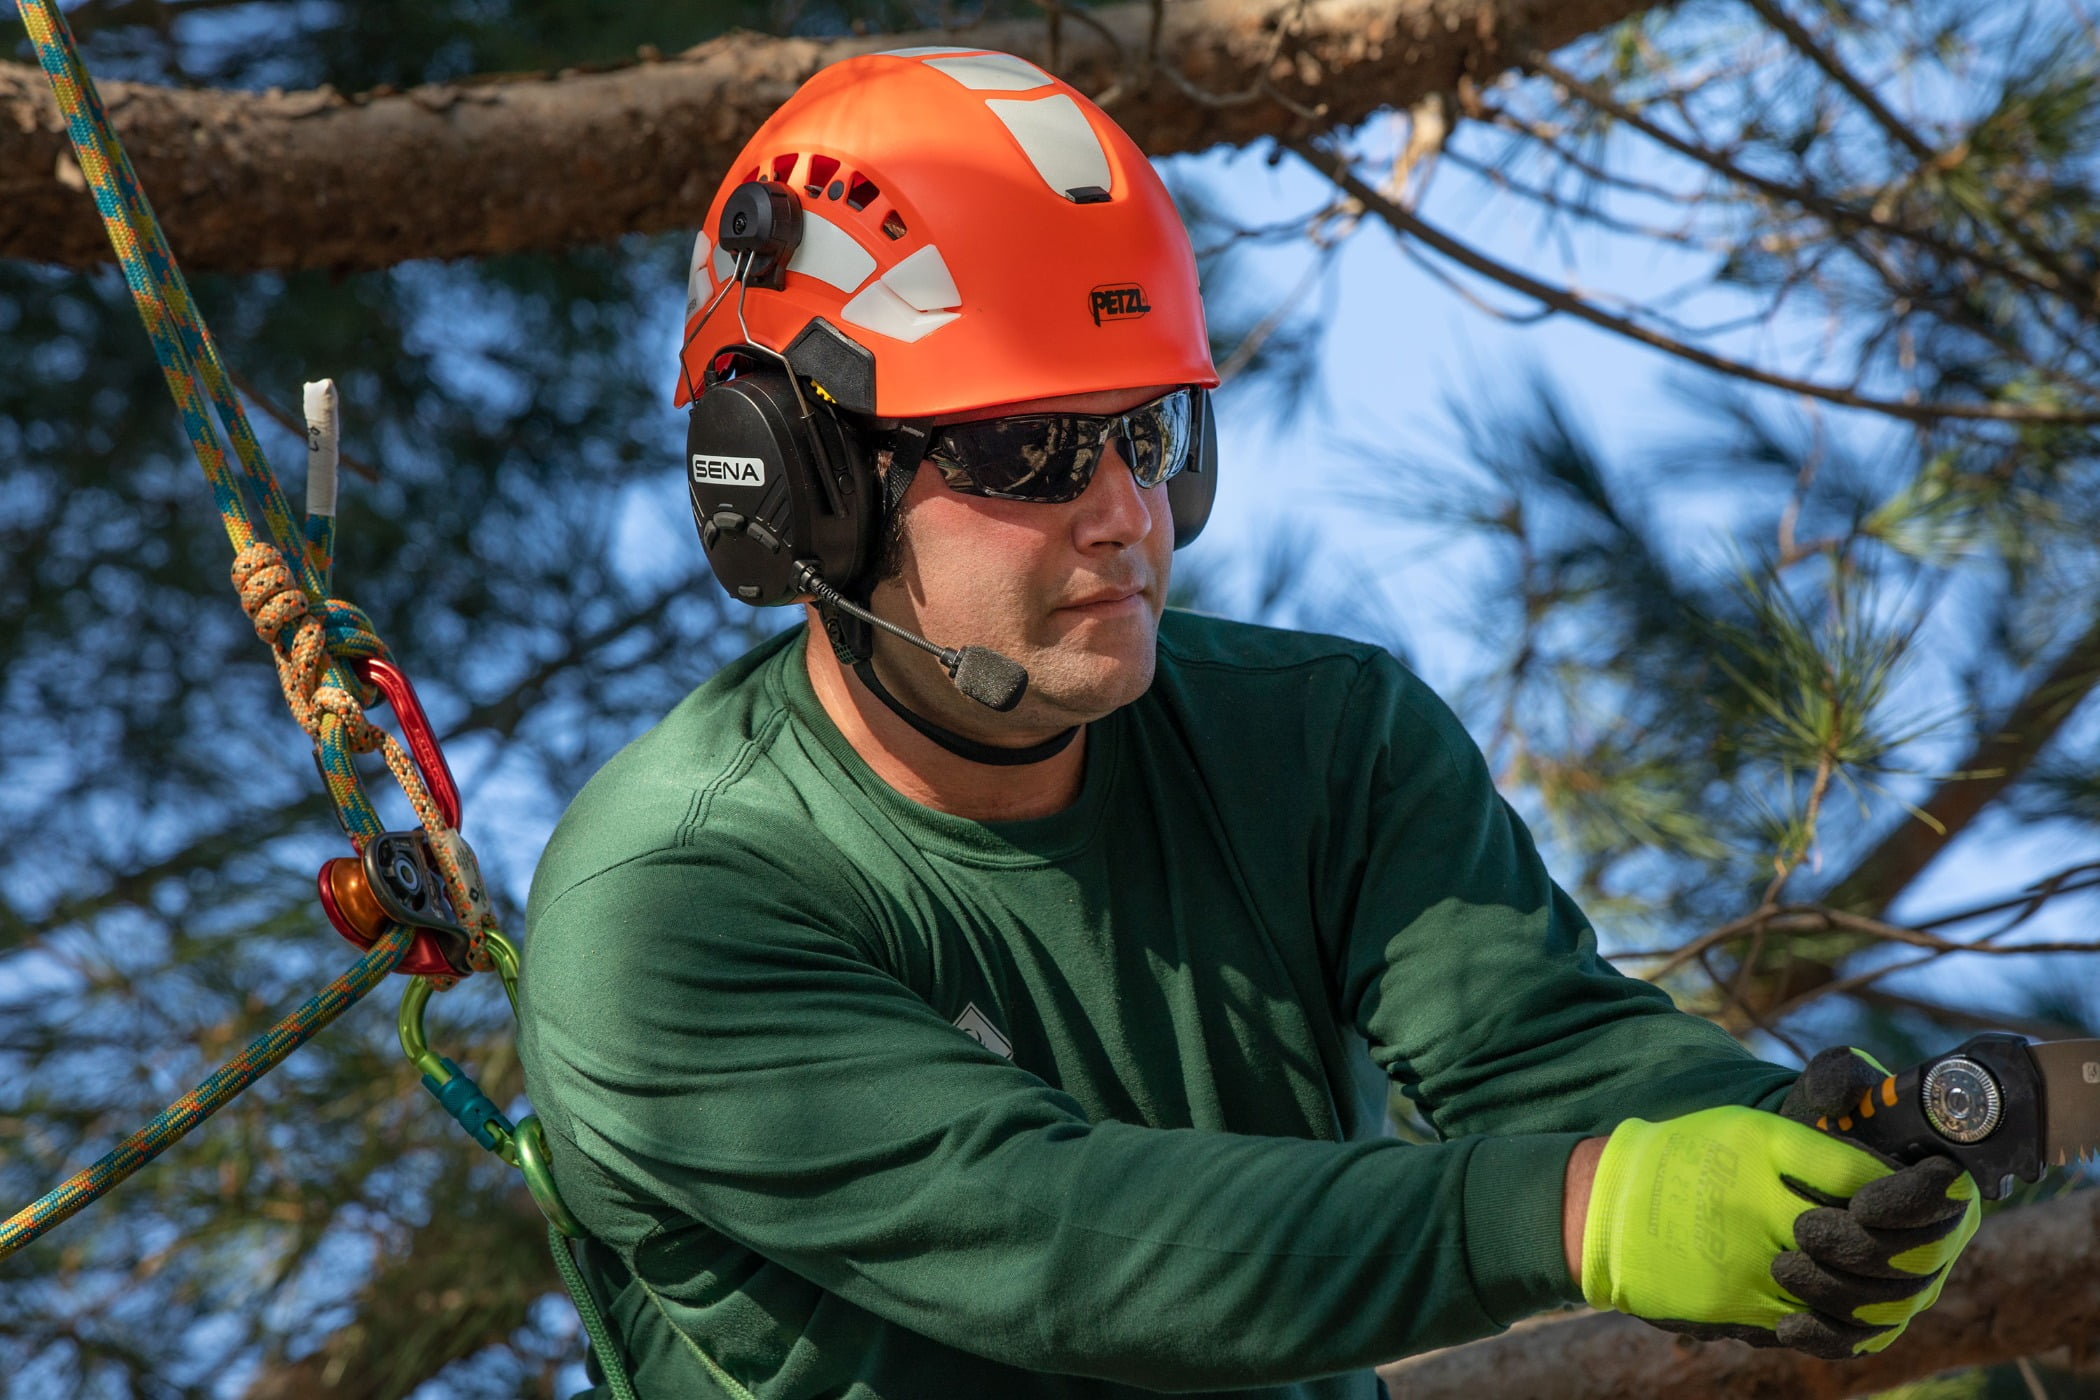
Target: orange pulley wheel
360, 914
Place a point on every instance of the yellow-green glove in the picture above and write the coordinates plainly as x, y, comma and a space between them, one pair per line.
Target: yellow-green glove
1886, 1230
1692, 1225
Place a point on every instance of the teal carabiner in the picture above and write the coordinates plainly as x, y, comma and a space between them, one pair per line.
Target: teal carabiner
523, 1145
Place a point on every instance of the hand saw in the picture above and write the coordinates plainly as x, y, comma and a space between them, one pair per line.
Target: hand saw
2001, 1107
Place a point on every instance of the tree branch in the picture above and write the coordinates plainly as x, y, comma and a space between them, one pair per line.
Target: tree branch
2001, 757
1900, 132
2038, 1027
2028, 1283
1805, 44
246, 181
1336, 168
1842, 217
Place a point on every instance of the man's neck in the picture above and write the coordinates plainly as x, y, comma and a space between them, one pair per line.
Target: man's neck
927, 773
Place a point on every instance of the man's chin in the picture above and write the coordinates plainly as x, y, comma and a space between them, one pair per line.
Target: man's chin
1077, 685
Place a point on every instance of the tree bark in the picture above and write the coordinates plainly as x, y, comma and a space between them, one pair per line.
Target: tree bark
252, 181
2029, 1283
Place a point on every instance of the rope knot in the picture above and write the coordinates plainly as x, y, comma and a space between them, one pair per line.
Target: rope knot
270, 592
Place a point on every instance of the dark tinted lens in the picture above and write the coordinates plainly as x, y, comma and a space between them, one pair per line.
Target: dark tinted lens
1155, 440
1050, 457
1045, 457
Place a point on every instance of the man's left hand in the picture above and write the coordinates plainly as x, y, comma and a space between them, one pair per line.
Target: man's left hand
1886, 1237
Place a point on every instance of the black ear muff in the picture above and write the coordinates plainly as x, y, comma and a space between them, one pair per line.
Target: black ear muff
1191, 490
771, 488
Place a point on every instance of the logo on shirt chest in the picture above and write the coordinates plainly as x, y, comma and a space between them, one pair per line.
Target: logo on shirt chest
978, 1026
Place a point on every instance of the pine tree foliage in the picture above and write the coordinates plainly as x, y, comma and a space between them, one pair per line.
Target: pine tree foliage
1888, 211
1744, 745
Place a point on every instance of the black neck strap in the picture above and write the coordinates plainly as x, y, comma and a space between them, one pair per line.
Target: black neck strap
957, 744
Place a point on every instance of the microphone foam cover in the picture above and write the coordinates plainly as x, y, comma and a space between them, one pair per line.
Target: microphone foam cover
990, 679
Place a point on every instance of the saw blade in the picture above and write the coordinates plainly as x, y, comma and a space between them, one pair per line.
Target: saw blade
2070, 1071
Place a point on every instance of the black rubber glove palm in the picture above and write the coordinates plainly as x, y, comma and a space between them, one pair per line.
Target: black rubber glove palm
1847, 1265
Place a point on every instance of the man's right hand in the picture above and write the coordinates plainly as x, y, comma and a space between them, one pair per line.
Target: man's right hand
1687, 1218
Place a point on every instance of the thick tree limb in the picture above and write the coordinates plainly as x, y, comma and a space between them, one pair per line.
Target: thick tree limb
250, 181
2029, 1283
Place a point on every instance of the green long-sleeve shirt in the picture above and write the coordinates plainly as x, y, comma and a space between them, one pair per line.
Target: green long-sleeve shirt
862, 1099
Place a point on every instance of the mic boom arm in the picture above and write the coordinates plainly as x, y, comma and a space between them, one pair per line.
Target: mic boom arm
994, 681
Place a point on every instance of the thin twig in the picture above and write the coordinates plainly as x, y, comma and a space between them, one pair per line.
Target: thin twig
1844, 216
1251, 343
1806, 44
1336, 168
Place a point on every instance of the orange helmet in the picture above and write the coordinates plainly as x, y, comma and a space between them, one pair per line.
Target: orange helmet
979, 227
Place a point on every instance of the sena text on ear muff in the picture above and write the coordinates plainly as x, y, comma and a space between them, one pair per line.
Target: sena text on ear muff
1192, 490
771, 488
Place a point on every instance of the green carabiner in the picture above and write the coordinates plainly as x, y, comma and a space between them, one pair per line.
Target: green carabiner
523, 1146
531, 1141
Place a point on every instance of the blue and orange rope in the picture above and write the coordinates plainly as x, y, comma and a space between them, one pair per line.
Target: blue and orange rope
258, 1058
281, 571
282, 574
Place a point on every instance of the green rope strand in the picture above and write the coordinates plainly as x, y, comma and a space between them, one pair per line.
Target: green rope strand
594, 1327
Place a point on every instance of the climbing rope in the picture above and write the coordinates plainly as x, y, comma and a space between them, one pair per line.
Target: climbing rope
331, 666
261, 1055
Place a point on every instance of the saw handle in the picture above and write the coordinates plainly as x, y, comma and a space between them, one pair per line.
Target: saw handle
1979, 1104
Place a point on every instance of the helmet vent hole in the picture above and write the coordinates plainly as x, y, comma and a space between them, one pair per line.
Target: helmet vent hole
893, 224
784, 166
861, 193
821, 169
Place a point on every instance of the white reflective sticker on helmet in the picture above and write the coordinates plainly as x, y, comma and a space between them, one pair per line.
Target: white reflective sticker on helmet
1057, 139
881, 310
992, 72
696, 276
923, 280
921, 51
830, 254
725, 266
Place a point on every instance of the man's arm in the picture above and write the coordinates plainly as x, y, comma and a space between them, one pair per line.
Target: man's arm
1476, 979
737, 1056
1575, 1201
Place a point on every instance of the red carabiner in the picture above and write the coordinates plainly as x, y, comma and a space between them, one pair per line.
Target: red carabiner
344, 883
415, 728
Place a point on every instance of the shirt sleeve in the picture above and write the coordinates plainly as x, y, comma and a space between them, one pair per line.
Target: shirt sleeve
1475, 979
738, 1057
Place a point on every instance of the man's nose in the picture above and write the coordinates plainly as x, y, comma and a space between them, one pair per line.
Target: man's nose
1113, 509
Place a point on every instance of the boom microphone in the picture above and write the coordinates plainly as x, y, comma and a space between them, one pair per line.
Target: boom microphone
994, 681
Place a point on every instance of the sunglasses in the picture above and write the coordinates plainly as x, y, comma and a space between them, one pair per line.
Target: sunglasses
1050, 458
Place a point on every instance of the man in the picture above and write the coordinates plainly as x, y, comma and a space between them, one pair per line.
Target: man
894, 1042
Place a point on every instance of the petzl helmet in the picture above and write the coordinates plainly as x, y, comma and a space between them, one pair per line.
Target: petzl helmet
975, 226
